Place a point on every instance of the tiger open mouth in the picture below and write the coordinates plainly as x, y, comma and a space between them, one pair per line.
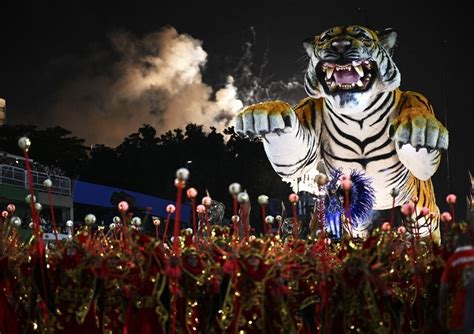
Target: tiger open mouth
356, 75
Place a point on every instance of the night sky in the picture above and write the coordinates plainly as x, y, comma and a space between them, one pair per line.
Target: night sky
52, 50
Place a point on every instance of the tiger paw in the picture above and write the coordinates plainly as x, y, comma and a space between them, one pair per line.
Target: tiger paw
420, 129
265, 118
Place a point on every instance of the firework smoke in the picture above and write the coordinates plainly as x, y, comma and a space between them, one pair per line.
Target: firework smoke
156, 79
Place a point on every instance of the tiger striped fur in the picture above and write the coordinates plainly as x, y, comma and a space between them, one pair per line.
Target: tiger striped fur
355, 117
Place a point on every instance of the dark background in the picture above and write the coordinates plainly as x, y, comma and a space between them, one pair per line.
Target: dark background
434, 52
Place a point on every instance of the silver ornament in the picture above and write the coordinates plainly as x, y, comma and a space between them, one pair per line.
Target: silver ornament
243, 197
29, 199
234, 189
394, 192
182, 174
24, 143
136, 221
16, 221
263, 200
269, 220
38, 206
90, 219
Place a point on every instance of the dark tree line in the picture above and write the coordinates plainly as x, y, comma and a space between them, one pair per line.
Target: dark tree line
146, 162
53, 146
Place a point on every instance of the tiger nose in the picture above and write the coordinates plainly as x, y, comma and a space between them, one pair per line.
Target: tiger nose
341, 45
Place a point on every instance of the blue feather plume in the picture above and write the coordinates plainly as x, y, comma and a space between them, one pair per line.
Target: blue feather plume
361, 199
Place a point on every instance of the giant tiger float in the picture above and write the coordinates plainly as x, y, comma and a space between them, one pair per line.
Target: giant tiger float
355, 118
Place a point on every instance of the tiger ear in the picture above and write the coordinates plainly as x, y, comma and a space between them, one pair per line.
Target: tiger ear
308, 45
389, 39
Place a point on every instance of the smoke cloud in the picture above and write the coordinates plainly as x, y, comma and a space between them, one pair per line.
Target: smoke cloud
156, 79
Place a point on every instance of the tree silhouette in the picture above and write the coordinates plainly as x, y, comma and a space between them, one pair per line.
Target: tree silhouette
51, 147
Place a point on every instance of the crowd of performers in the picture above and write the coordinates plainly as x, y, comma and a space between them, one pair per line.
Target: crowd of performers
220, 279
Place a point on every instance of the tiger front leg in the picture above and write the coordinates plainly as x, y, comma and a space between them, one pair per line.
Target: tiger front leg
419, 137
289, 142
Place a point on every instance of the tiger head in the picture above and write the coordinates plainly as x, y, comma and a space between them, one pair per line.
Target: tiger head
349, 66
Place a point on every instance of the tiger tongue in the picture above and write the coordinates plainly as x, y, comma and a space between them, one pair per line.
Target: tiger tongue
346, 77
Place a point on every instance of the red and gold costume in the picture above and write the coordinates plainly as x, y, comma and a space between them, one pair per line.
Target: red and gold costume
149, 312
